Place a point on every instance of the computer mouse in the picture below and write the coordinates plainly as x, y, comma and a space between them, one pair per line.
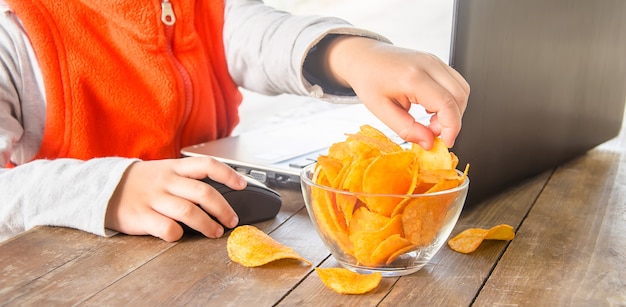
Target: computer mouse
256, 203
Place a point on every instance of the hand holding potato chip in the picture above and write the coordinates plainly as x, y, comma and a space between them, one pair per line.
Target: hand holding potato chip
418, 78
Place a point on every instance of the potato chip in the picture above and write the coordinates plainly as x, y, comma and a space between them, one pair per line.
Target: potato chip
367, 221
454, 159
399, 209
327, 219
373, 138
331, 166
341, 177
468, 240
375, 133
250, 247
421, 187
437, 158
422, 219
501, 232
436, 175
388, 174
445, 184
383, 144
340, 151
400, 252
365, 242
321, 177
344, 281
388, 247
346, 204
353, 181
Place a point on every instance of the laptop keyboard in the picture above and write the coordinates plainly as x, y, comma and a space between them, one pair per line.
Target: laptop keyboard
304, 161
311, 158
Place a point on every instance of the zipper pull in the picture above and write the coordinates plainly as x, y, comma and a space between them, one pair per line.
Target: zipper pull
167, 13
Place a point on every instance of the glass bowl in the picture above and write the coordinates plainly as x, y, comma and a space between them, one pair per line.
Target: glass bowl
393, 244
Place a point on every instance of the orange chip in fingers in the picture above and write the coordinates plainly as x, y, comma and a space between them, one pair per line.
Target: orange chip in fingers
344, 281
454, 159
250, 247
438, 157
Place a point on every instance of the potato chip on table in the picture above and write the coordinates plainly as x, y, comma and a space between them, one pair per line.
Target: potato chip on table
470, 239
344, 281
251, 247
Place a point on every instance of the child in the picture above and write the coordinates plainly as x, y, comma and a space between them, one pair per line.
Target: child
97, 97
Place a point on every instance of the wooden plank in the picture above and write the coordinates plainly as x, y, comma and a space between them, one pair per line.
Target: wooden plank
49, 265
19, 266
571, 249
198, 271
451, 279
60, 266
312, 292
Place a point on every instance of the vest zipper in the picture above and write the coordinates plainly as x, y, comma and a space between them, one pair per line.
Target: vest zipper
167, 13
169, 19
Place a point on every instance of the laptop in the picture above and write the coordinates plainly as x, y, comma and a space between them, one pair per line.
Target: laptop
548, 84
276, 154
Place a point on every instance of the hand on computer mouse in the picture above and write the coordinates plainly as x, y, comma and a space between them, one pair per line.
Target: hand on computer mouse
253, 204
153, 195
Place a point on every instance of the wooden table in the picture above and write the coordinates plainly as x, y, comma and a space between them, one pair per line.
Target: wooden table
570, 250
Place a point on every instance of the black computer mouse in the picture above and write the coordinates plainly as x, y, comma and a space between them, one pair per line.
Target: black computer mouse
256, 203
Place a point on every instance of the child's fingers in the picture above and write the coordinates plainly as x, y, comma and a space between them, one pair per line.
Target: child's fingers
206, 196
401, 122
449, 111
188, 213
450, 83
202, 167
434, 125
155, 224
452, 80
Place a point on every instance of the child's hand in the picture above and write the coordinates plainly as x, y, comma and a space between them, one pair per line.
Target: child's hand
153, 195
389, 79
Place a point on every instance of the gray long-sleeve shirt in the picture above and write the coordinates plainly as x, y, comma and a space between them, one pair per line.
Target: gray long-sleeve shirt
265, 50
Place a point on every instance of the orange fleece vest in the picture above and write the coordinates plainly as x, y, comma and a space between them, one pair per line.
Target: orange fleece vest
119, 82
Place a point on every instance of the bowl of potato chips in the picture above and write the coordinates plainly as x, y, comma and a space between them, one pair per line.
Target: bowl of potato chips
382, 207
